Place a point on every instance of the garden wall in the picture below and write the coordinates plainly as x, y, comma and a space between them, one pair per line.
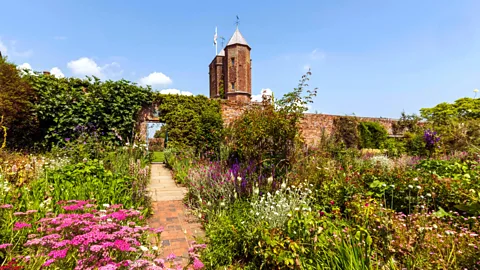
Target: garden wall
311, 126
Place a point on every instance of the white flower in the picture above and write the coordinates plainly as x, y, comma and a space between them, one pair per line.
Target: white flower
415, 179
296, 208
222, 204
257, 214
109, 220
384, 185
284, 185
127, 144
429, 195
106, 205
155, 248
143, 248
270, 180
393, 186
410, 186
419, 187
435, 226
475, 90
289, 214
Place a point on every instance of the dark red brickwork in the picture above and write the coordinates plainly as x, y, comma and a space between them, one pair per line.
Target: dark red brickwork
235, 70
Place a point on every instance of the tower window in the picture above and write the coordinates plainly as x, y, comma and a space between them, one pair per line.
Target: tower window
233, 86
233, 61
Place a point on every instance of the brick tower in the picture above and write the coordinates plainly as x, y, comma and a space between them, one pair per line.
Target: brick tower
231, 71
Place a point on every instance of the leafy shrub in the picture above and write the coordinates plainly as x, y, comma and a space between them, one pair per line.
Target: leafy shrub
371, 135
109, 108
191, 121
17, 100
346, 131
267, 134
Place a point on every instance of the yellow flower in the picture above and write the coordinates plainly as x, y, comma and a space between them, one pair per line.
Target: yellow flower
476, 90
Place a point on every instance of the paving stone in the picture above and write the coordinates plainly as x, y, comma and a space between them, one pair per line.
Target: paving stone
180, 227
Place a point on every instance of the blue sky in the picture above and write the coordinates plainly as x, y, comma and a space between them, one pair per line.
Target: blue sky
371, 58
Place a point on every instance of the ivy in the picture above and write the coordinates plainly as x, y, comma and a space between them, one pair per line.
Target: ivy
65, 105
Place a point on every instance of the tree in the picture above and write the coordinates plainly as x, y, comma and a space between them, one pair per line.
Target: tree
17, 106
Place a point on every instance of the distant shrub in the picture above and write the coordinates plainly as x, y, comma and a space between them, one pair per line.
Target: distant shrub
346, 131
372, 135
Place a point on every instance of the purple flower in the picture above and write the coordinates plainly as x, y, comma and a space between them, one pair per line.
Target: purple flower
67, 139
6, 206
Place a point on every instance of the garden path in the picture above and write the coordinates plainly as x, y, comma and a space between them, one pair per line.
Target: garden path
169, 212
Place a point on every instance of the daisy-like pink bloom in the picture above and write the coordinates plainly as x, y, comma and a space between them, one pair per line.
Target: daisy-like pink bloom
21, 225
3, 246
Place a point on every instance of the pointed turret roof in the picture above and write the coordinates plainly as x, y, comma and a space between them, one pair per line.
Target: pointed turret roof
237, 38
222, 53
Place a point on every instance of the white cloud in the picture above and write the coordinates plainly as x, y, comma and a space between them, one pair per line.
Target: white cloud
172, 91
57, 72
85, 66
25, 68
264, 92
156, 78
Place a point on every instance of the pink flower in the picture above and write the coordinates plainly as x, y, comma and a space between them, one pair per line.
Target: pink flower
21, 225
157, 230
118, 215
31, 212
27, 258
122, 245
48, 262
171, 257
6, 206
58, 254
159, 262
3, 246
96, 248
19, 214
109, 266
197, 264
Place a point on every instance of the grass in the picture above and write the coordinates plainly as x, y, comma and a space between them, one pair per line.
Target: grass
158, 157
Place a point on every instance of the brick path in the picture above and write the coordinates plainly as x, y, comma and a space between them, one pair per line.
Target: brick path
180, 227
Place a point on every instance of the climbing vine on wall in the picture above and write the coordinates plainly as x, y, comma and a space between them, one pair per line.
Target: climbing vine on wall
67, 105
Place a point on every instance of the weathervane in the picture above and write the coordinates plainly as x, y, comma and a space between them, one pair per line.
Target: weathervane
237, 22
223, 41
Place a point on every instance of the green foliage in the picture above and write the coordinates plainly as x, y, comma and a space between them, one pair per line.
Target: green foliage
461, 109
158, 157
192, 121
406, 123
109, 108
268, 132
346, 131
372, 135
17, 100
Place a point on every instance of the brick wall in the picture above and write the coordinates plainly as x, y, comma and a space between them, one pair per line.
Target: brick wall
311, 126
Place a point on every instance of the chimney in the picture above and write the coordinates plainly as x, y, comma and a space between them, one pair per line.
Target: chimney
46, 73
